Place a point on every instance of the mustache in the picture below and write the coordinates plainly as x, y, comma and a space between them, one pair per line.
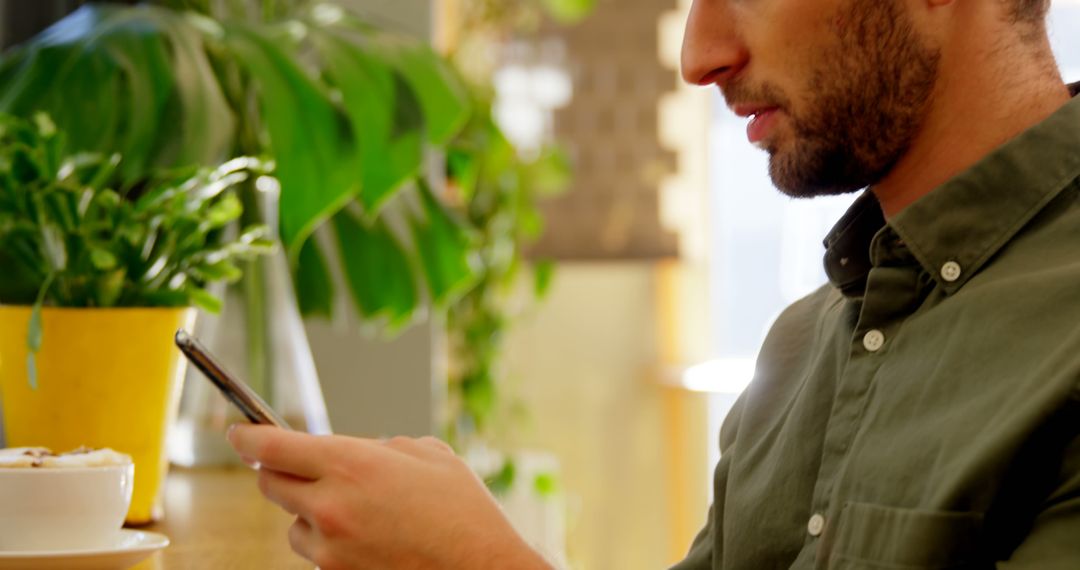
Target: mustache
741, 92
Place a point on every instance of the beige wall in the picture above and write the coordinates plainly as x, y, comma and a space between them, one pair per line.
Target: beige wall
633, 452
373, 386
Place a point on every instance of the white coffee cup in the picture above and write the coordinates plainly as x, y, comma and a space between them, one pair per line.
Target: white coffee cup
63, 508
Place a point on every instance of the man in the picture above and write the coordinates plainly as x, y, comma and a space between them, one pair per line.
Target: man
920, 411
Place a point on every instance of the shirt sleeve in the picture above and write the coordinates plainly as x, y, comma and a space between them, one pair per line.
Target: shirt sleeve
1054, 540
705, 551
700, 556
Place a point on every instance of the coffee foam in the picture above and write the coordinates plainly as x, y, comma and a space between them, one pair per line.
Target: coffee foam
43, 457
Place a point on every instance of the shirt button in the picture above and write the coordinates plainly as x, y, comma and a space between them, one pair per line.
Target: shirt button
816, 525
950, 271
873, 340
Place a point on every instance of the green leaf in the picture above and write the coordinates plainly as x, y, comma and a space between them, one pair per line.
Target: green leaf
223, 270
93, 121
165, 298
55, 250
310, 140
545, 485
61, 209
109, 287
463, 170
24, 169
102, 259
133, 80
569, 11
444, 246
56, 65
35, 332
225, 210
91, 170
543, 274
202, 299
478, 393
384, 113
503, 481
145, 63
107, 200
45, 125
31, 369
19, 285
376, 268
551, 173
205, 123
314, 288
442, 96
103, 248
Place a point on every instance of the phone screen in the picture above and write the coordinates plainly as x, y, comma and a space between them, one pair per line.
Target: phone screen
241, 395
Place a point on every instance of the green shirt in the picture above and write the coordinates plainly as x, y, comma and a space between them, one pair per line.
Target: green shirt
922, 410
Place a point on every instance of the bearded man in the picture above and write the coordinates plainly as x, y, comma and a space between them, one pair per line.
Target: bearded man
922, 410
919, 411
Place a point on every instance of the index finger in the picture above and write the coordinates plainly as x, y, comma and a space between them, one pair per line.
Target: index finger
298, 454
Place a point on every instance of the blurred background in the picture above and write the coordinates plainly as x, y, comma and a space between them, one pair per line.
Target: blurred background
558, 257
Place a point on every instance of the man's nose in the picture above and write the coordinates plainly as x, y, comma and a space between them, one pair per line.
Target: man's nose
712, 51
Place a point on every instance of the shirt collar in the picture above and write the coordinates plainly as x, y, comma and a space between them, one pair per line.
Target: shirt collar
956, 228
847, 247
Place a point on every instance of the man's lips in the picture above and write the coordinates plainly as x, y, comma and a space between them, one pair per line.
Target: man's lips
762, 119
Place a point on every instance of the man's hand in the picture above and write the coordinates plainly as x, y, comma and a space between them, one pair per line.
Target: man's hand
402, 504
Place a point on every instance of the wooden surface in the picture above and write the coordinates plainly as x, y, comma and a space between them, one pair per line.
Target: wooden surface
217, 520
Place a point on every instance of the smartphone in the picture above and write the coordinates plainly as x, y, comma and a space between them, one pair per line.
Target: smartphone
241, 395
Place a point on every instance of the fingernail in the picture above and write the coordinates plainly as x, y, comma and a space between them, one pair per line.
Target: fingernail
250, 462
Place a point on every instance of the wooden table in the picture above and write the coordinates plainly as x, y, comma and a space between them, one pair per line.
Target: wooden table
217, 520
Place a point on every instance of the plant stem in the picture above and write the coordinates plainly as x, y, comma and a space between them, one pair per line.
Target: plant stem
253, 283
256, 317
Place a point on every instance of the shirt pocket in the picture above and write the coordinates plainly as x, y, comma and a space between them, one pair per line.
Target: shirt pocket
876, 537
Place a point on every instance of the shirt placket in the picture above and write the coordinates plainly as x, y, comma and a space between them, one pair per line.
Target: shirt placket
891, 294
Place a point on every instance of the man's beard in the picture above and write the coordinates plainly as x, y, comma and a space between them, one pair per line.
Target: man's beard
866, 99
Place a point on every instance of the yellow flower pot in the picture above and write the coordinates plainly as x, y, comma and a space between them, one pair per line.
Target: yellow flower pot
106, 378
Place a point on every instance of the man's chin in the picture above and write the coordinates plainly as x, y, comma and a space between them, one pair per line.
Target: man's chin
784, 174
798, 181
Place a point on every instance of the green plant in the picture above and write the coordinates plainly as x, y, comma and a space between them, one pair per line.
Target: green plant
342, 109
72, 235
65, 223
500, 194
499, 191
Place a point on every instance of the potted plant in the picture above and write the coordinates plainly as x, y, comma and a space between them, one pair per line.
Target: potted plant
345, 110
99, 272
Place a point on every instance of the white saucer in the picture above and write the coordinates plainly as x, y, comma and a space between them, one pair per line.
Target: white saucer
131, 547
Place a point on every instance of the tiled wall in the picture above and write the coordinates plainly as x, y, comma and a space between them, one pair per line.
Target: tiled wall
611, 130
